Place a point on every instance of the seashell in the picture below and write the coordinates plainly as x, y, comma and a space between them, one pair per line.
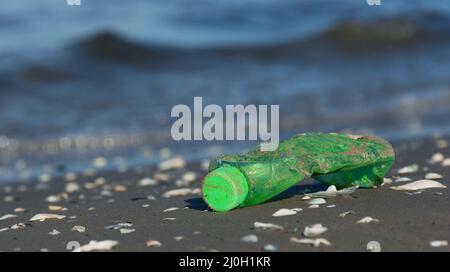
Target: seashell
72, 187
284, 212
403, 179
97, 246
409, 169
268, 226
367, 219
251, 238
314, 230
270, 247
436, 158
419, 185
171, 209
54, 232
44, 216
346, 213
180, 192
317, 201
177, 162
147, 182
446, 162
314, 242
153, 243
7, 216
439, 243
126, 231
79, 228
433, 176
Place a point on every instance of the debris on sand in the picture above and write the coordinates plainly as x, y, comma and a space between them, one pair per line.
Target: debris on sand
53, 198
436, 158
267, 226
7, 216
386, 181
41, 217
270, 247
189, 177
19, 210
120, 188
317, 201
18, 226
78, 228
72, 187
332, 192
446, 162
403, 179
169, 219
45, 178
177, 162
171, 209
54, 232
315, 206
367, 219
346, 213
314, 242
178, 238
97, 246
147, 182
99, 162
433, 176
126, 231
439, 243
153, 243
119, 226
409, 169
314, 230
419, 185
284, 212
55, 208
181, 192
251, 238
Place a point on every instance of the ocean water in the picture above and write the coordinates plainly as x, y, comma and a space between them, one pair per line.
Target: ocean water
100, 79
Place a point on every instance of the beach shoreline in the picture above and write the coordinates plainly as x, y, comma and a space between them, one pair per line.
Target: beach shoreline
135, 210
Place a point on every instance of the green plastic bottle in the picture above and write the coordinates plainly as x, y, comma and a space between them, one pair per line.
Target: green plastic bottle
336, 159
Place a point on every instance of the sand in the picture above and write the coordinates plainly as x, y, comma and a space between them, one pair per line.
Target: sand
406, 222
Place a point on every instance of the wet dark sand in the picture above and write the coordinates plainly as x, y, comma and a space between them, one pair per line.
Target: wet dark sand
406, 222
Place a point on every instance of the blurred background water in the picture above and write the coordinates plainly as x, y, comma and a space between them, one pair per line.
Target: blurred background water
100, 79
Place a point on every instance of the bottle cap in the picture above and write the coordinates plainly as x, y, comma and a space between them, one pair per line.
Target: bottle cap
225, 188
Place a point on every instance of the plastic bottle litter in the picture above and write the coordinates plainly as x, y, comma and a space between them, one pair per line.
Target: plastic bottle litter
336, 159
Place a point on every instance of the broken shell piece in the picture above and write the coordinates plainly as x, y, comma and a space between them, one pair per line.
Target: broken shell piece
177, 162
267, 226
189, 177
41, 217
314, 242
72, 187
79, 228
386, 181
315, 206
409, 169
439, 243
178, 238
317, 201
54, 232
18, 226
332, 192
367, 219
314, 230
126, 231
270, 247
119, 226
97, 246
433, 176
19, 210
403, 179
153, 243
171, 209
120, 188
284, 212
56, 208
99, 162
7, 216
436, 158
53, 198
251, 238
147, 182
446, 162
346, 213
419, 185
181, 192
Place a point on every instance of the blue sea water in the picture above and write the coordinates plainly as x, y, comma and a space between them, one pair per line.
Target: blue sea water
78, 82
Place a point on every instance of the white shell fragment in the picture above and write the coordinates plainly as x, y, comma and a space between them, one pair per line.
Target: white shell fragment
54, 232
7, 216
72, 187
403, 179
419, 185
439, 243
386, 181
147, 182
181, 192
284, 212
79, 228
367, 219
177, 162
332, 192
346, 213
270, 247
314, 230
315, 206
436, 158
269, 226
153, 243
314, 242
251, 238
119, 226
44, 216
446, 162
317, 201
171, 209
97, 246
126, 231
409, 169
433, 176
